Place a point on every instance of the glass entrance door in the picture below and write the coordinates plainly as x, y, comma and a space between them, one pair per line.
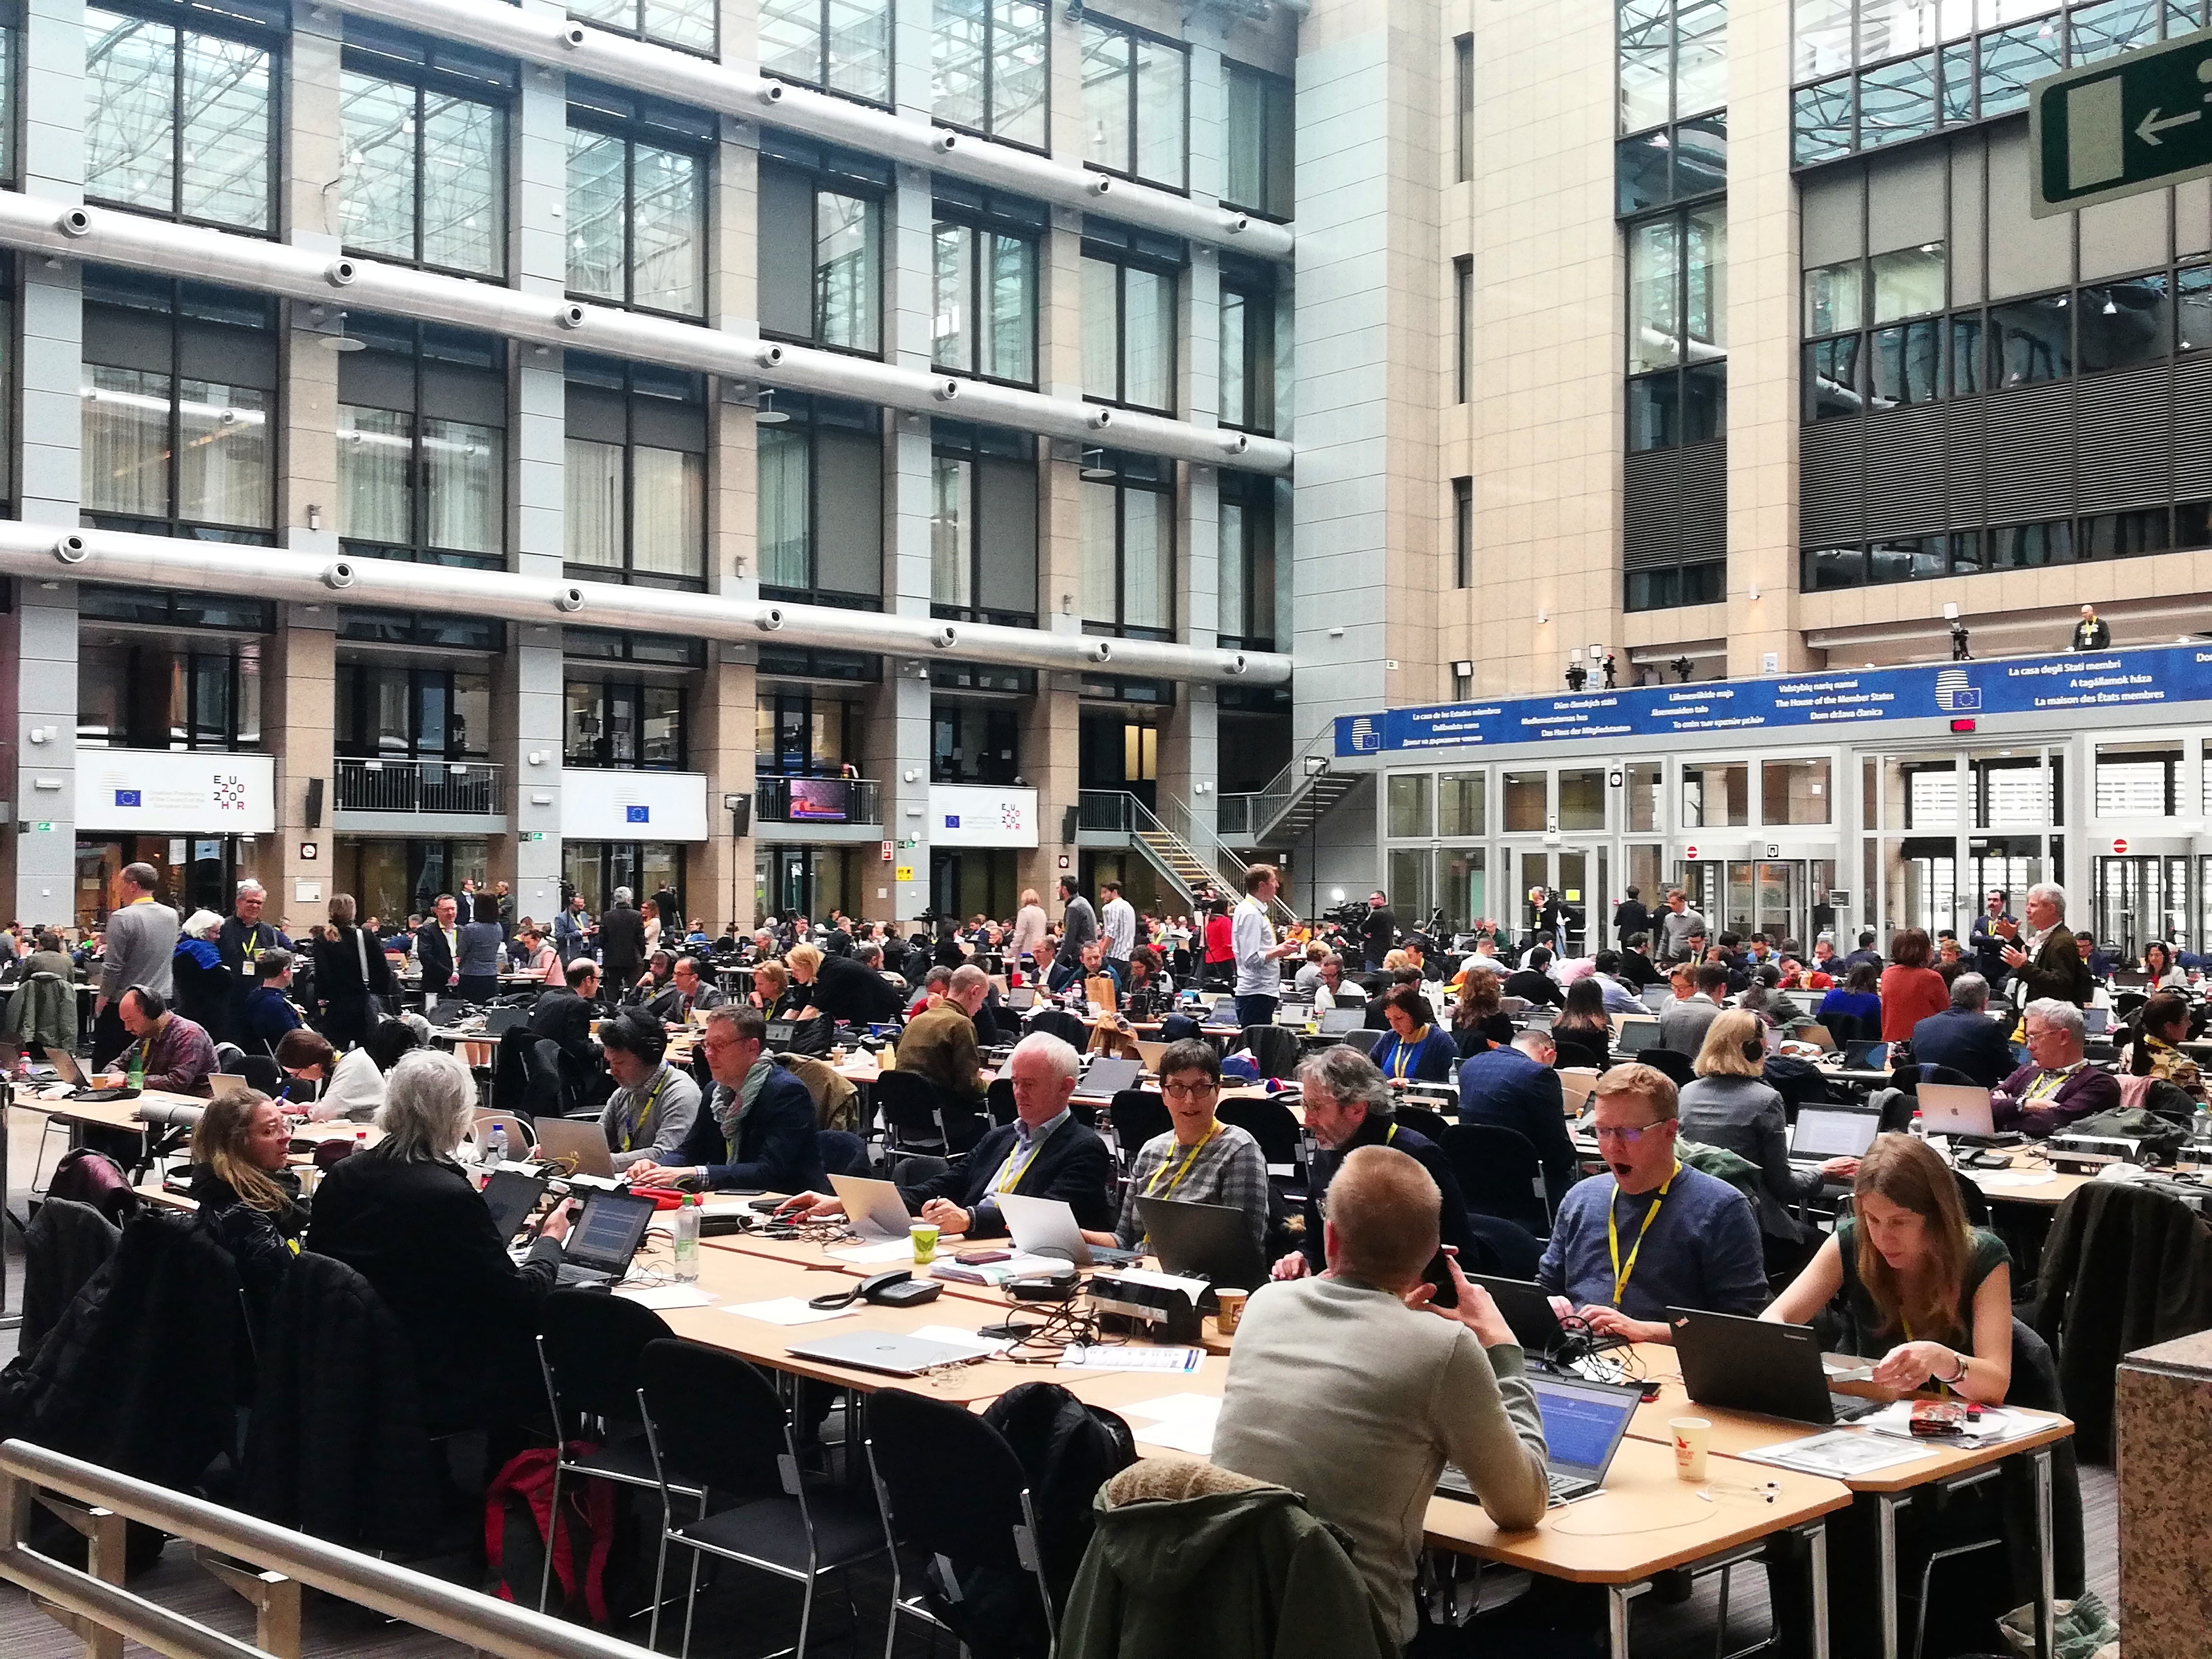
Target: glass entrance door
2139, 899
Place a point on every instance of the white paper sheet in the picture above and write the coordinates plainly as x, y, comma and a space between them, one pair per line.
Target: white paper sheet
788, 1311
894, 1249
662, 1297
957, 1338
1184, 1434
1176, 1407
1839, 1454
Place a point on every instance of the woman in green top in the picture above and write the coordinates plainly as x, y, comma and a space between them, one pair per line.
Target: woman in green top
1928, 1294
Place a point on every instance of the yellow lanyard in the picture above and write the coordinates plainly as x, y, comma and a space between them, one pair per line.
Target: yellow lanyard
1152, 1187
1404, 1054
1613, 1234
1017, 1167
630, 1124
2047, 1084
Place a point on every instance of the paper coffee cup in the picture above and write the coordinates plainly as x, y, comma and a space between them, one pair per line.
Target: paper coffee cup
1231, 1311
924, 1234
1693, 1439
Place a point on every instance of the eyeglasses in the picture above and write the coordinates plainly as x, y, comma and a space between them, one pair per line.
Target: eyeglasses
1187, 1091
1630, 1136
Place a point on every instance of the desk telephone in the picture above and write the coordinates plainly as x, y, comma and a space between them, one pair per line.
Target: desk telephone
898, 1288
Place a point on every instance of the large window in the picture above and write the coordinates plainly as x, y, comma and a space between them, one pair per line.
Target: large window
1463, 329
821, 246
1247, 347
401, 711
1463, 108
1673, 82
636, 473
1247, 512
136, 691
1677, 328
821, 527
1259, 131
631, 725
974, 743
423, 125
1129, 318
840, 46
799, 734
687, 25
422, 444
180, 112
1136, 103
1127, 536
178, 393
990, 69
982, 524
637, 201
985, 293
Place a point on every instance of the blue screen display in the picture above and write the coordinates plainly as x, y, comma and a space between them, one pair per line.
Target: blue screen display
1579, 1428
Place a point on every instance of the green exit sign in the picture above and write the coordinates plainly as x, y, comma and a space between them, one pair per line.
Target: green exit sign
2141, 121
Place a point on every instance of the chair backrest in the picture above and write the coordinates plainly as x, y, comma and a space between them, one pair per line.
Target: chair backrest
1950, 1076
591, 1345
1572, 1053
1972, 1198
1671, 1061
999, 1098
90, 1176
1272, 1124
1422, 1120
911, 1107
1362, 1039
1273, 1050
1064, 1026
1499, 1173
1138, 1115
260, 1073
714, 1421
950, 1485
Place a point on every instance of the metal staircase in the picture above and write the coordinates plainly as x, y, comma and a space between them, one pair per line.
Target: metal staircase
1186, 851
1293, 801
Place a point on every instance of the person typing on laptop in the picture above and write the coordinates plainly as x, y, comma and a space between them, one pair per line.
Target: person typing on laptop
757, 1128
1201, 1160
1044, 1153
1651, 1233
2058, 1086
1353, 1387
177, 1056
651, 1112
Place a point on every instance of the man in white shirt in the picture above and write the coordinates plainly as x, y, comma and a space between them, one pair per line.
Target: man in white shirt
1252, 942
1117, 920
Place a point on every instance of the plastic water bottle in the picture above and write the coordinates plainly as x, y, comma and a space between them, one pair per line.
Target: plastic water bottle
495, 1144
687, 1240
136, 1075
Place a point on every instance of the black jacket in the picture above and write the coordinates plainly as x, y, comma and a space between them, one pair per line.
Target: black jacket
1629, 918
1639, 970
436, 956
337, 968
419, 1233
336, 1447
205, 994
1452, 1226
1540, 989
262, 1242
564, 1019
1972, 1043
66, 1243
1073, 1165
776, 1151
621, 943
846, 990
1379, 935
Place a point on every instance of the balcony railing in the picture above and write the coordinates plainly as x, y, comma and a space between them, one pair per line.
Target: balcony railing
468, 787
817, 801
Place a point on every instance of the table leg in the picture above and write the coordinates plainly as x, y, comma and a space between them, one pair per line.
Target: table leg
1616, 1620
2046, 1612
1816, 1567
1886, 1506
7, 1321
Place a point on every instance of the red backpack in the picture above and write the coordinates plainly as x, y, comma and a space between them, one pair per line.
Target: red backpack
519, 1527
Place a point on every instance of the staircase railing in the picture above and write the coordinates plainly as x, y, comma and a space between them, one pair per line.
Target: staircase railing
1255, 814
1214, 853
1116, 812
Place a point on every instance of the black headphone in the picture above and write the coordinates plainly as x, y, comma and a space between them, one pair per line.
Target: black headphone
1754, 1047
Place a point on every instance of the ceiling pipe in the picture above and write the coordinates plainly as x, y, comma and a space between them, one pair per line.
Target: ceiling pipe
111, 237
39, 551
738, 88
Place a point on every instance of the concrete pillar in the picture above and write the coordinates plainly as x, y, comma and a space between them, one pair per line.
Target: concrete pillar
39, 638
1189, 755
718, 874
299, 707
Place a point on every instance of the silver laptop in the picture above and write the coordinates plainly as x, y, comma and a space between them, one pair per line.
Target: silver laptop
880, 1351
1955, 1109
1042, 1225
1819, 1136
1583, 1426
581, 1139
1342, 1022
1818, 1036
876, 1211
1106, 1077
228, 1085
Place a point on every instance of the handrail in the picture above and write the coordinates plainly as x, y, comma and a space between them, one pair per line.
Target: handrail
1119, 811
1272, 799
415, 1598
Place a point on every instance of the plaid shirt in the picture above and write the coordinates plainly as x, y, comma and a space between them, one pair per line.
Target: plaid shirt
1228, 1171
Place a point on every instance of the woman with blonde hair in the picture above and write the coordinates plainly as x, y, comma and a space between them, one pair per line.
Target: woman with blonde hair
352, 979
771, 979
1729, 1104
247, 1197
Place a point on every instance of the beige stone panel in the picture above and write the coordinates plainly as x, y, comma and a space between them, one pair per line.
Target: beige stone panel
719, 872
298, 704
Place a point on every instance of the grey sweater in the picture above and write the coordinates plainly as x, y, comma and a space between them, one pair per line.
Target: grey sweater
141, 938
1339, 1391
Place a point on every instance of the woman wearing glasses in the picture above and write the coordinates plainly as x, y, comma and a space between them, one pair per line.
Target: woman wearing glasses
1201, 1160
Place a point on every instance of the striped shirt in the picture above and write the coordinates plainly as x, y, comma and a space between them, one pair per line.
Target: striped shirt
1227, 1170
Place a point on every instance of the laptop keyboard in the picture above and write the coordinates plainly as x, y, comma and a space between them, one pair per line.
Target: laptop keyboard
1849, 1407
1565, 1488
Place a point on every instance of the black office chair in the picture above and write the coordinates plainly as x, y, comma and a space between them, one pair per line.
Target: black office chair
1499, 1174
716, 1427
1138, 1115
913, 1116
589, 1346
950, 1487
1274, 1049
1972, 1198
998, 1100
1058, 1021
1672, 1062
1282, 1143
261, 1073
1422, 1120
1569, 1051
1362, 1039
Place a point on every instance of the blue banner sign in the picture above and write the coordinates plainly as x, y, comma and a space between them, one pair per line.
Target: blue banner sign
2116, 682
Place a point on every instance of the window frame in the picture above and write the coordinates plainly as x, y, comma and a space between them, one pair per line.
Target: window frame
979, 222
711, 50
1278, 102
822, 83
805, 413
961, 442
871, 195
606, 687
627, 572
1255, 289
989, 130
233, 738
1462, 108
1123, 259
376, 55
418, 549
1260, 564
1127, 478
1462, 490
1132, 34
1688, 372
351, 745
650, 122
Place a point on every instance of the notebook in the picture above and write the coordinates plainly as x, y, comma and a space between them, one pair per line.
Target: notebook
881, 1350
605, 1239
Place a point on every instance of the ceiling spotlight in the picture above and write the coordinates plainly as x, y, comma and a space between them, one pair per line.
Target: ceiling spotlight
765, 413
344, 343
1094, 468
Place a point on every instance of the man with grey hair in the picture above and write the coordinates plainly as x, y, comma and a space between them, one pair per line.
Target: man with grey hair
1043, 1153
2057, 1086
1964, 1037
240, 942
622, 941
2046, 960
1348, 1105
408, 1218
141, 943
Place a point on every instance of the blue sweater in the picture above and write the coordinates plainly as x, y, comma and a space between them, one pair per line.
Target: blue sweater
1703, 1252
1429, 1060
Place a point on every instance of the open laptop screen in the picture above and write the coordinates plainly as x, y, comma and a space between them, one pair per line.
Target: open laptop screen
1582, 1425
1833, 1134
608, 1233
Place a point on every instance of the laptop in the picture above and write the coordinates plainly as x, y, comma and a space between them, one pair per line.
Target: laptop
1342, 1022
1955, 1109
875, 1209
780, 1033
881, 1350
1149, 1054
1860, 1056
605, 1239
1045, 1226
581, 1139
498, 1022
1635, 1035
1821, 1133
1818, 1035
1212, 1242
447, 1012
1021, 997
2095, 1022
1106, 1076
511, 1195
1225, 1012
1535, 1322
66, 1070
1655, 996
1736, 1364
228, 1085
1583, 1426
1576, 1083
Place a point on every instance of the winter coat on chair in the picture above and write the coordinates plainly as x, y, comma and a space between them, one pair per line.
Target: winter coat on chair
42, 1010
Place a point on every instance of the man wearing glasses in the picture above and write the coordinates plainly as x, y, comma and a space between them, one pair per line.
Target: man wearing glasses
1201, 1160
1650, 1233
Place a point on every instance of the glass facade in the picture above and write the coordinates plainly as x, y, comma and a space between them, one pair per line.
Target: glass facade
985, 290
1129, 542
421, 430
625, 724
1136, 103
821, 249
1130, 318
841, 45
180, 112
990, 69
982, 524
687, 25
637, 203
636, 473
821, 504
424, 129
1258, 130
